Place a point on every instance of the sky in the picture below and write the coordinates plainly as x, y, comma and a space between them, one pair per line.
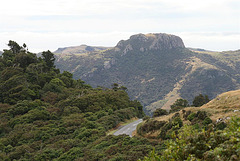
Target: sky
50, 24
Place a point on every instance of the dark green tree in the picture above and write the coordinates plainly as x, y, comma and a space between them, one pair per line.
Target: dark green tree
178, 105
200, 100
14, 47
49, 58
159, 112
24, 59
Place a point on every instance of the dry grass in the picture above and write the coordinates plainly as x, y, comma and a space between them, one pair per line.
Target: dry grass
222, 106
225, 101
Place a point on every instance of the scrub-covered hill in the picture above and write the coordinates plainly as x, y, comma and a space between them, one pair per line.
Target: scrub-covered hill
209, 132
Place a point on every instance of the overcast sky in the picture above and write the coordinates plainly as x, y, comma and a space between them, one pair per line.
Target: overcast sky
49, 24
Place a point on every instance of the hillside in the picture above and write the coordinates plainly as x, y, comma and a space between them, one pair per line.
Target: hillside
209, 132
223, 106
47, 115
157, 69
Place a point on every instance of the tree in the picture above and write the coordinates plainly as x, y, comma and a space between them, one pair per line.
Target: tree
24, 59
14, 47
178, 105
200, 100
159, 112
48, 57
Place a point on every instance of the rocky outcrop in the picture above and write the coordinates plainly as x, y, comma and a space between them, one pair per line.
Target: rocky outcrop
146, 42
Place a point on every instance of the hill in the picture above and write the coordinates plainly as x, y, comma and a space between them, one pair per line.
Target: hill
199, 133
79, 49
223, 106
47, 115
157, 69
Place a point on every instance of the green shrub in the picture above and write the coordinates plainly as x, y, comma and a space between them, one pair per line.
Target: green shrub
177, 123
146, 118
150, 126
159, 112
220, 126
191, 116
207, 121
201, 115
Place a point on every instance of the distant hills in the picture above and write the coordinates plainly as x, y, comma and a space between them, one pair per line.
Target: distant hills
157, 69
79, 49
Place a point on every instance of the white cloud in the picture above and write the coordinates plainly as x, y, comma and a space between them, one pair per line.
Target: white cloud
212, 41
56, 23
38, 42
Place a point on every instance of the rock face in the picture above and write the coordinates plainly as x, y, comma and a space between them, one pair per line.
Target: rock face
142, 42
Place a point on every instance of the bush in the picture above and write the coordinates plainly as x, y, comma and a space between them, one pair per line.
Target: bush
220, 126
159, 112
146, 118
200, 100
201, 115
150, 126
207, 121
186, 114
191, 116
178, 105
177, 123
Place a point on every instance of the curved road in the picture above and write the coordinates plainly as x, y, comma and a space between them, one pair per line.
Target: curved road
128, 129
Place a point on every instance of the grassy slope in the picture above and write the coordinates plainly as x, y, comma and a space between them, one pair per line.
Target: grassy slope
224, 105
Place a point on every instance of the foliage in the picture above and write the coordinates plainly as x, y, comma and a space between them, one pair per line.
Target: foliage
159, 112
178, 105
150, 126
190, 144
200, 100
47, 115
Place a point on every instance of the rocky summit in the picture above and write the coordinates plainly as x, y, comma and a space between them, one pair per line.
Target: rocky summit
142, 43
157, 69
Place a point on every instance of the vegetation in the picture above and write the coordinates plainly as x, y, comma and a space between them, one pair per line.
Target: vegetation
47, 115
178, 105
159, 112
200, 100
194, 144
197, 133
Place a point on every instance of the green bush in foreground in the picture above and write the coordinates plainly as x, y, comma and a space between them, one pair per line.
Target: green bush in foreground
209, 145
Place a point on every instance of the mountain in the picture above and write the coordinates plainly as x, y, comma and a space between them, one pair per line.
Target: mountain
157, 69
79, 49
